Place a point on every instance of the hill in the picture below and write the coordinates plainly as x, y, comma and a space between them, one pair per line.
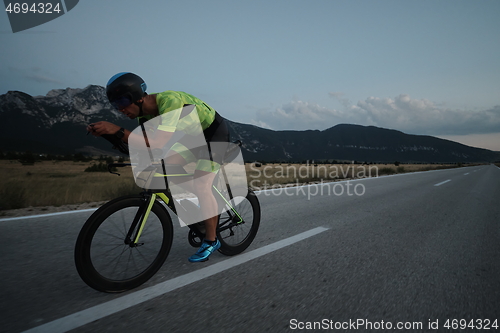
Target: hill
56, 123
353, 143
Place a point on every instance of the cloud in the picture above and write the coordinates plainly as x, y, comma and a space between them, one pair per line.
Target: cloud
35, 74
425, 117
418, 116
42, 79
340, 97
336, 94
297, 115
261, 124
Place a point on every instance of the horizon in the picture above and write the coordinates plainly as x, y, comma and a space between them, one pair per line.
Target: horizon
457, 140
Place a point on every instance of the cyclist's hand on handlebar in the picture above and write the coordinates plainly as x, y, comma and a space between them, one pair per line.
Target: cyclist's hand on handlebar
102, 127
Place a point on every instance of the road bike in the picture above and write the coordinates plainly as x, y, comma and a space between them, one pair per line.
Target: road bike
127, 240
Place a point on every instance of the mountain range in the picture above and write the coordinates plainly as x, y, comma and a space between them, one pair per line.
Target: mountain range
56, 123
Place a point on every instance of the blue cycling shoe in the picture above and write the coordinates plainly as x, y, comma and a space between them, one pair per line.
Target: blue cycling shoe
204, 251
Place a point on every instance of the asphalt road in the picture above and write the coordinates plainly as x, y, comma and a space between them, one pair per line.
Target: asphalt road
412, 250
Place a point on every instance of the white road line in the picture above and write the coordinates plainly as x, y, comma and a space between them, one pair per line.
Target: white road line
439, 184
89, 315
47, 215
465, 174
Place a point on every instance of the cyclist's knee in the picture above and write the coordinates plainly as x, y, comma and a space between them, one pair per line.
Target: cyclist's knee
203, 183
202, 188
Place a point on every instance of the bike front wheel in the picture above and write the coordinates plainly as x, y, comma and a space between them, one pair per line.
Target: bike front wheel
104, 258
239, 224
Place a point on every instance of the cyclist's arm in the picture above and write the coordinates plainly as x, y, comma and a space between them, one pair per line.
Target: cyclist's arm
104, 127
169, 109
159, 140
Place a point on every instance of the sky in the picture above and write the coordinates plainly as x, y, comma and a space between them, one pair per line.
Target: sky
418, 66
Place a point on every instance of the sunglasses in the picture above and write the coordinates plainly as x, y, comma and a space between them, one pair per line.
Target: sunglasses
121, 102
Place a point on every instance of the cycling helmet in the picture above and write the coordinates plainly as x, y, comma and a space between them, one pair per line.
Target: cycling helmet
124, 89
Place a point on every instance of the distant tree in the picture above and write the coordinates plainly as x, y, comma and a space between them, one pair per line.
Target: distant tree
79, 157
10, 155
27, 158
101, 167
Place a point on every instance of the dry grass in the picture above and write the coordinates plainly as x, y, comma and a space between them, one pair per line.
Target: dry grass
51, 183
271, 174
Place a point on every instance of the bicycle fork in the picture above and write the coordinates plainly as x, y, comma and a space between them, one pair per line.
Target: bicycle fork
140, 219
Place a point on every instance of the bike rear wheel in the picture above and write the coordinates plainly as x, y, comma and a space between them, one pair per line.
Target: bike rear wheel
103, 259
237, 229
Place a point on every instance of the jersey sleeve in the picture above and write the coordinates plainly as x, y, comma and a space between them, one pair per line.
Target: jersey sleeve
170, 111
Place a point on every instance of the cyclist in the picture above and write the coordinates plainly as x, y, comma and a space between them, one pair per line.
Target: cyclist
127, 93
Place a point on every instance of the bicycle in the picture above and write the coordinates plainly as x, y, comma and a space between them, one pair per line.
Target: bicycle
127, 240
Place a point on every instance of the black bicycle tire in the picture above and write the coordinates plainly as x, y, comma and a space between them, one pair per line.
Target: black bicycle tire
83, 260
231, 250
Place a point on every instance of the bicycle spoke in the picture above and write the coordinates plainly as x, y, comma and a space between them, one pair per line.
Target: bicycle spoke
122, 239
117, 261
103, 259
124, 263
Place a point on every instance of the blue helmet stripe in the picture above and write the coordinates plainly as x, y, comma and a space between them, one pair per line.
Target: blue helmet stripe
114, 77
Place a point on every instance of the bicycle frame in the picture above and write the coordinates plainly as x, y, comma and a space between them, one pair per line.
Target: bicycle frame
151, 196
135, 232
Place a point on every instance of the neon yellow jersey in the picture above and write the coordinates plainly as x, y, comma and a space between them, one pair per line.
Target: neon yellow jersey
169, 100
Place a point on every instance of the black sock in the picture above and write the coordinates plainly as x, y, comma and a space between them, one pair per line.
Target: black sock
210, 242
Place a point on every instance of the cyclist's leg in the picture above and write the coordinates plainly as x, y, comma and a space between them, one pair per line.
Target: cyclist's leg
207, 167
203, 181
180, 155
